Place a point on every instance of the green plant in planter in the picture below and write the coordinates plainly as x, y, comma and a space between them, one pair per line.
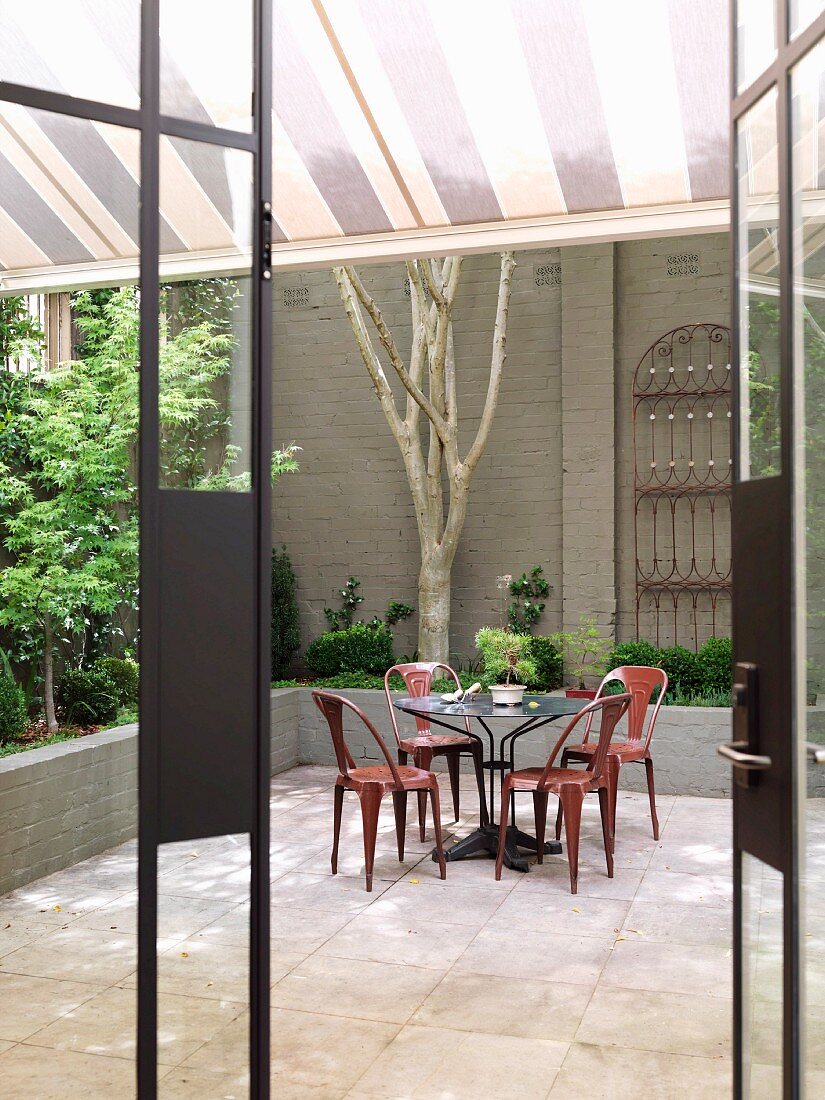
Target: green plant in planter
87, 696
529, 593
683, 670
548, 661
358, 648
350, 599
584, 649
505, 656
124, 674
715, 659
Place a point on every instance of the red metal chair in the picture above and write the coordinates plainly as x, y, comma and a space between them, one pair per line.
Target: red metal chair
372, 783
640, 682
418, 678
570, 785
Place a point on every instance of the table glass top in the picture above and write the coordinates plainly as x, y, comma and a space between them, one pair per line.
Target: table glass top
482, 706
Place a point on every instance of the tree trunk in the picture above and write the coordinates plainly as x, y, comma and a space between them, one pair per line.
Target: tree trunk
434, 612
48, 676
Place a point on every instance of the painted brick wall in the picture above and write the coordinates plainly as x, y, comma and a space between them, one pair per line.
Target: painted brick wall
349, 512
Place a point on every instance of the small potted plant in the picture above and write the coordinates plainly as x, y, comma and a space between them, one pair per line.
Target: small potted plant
505, 655
584, 652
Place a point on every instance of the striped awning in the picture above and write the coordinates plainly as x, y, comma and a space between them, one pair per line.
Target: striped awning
389, 117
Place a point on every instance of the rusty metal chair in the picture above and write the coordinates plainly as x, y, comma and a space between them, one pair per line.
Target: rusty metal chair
372, 783
640, 682
570, 785
425, 744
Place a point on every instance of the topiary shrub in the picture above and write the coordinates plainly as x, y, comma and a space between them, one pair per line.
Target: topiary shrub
549, 665
285, 636
683, 669
87, 696
715, 659
124, 674
358, 648
13, 717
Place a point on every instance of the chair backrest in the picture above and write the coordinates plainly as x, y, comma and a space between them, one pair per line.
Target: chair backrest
418, 678
611, 709
332, 708
640, 681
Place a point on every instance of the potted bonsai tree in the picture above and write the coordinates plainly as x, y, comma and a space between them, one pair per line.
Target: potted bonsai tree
584, 651
505, 656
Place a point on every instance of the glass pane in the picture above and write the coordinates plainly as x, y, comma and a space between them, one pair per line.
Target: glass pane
205, 398
86, 48
802, 13
203, 967
755, 39
207, 76
809, 370
758, 246
762, 979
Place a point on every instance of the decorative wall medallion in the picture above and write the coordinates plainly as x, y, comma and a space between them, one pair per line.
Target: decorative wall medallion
547, 274
296, 297
683, 265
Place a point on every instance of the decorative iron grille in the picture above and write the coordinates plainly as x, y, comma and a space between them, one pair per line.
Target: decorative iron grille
682, 480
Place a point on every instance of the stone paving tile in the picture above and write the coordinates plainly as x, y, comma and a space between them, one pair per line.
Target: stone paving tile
509, 988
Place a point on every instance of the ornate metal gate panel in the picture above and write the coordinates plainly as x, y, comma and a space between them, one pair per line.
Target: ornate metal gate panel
682, 479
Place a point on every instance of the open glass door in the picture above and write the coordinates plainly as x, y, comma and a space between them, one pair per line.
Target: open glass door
778, 540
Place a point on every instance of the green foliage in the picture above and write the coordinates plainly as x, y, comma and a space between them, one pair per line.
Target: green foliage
633, 653
124, 674
529, 593
20, 334
361, 648
396, 612
505, 656
683, 670
584, 649
13, 717
548, 662
350, 599
285, 635
715, 659
87, 696
11, 748
701, 699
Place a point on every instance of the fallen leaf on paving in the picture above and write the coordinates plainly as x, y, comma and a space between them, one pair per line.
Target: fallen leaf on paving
184, 954
57, 908
414, 881
575, 910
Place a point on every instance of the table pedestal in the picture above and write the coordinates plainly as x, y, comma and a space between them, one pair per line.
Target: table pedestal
485, 839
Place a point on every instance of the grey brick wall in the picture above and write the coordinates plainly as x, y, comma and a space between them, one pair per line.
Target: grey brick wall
555, 487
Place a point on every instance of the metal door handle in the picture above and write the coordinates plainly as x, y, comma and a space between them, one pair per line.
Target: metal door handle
735, 752
816, 753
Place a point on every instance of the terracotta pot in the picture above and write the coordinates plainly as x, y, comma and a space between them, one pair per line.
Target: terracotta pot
580, 693
509, 695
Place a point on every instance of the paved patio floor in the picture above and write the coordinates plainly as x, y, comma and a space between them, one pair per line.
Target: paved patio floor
466, 988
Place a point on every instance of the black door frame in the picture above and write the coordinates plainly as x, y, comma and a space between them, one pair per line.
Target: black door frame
150, 124
764, 629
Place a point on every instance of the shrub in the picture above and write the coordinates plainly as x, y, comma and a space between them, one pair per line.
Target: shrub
88, 696
549, 665
13, 717
716, 665
683, 669
358, 648
633, 653
285, 637
124, 674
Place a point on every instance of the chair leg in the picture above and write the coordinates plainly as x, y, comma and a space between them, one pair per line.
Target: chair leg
336, 827
422, 758
399, 799
613, 767
439, 840
478, 760
454, 768
370, 805
502, 825
571, 799
651, 792
564, 760
604, 809
403, 758
540, 814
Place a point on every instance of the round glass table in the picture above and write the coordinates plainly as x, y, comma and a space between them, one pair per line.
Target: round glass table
496, 722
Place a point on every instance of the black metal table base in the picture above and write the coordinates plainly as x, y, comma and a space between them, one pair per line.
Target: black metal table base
485, 840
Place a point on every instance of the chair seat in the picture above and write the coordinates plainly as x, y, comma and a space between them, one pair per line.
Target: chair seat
527, 779
625, 750
435, 741
413, 779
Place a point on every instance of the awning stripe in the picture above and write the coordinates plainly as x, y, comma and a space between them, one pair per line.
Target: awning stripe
37, 219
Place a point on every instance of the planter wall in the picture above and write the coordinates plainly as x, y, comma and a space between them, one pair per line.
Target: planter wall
63, 803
